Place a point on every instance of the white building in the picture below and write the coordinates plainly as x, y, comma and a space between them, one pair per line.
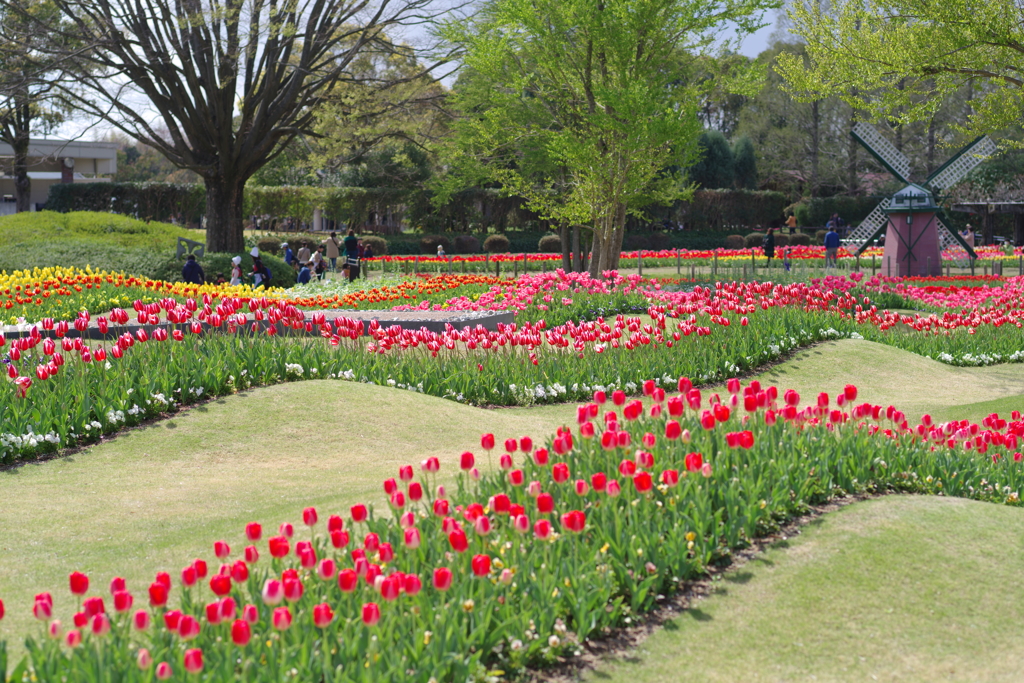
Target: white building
53, 161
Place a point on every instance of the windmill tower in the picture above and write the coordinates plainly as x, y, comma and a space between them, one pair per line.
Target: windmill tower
911, 220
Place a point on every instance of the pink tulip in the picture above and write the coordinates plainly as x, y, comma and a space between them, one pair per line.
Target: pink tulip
193, 660
282, 619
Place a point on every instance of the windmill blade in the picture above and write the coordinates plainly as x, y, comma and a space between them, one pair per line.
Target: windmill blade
954, 170
883, 150
868, 230
951, 239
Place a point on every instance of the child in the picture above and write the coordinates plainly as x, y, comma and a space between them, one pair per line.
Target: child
220, 279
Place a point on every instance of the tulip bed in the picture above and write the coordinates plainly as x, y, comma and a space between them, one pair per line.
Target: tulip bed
520, 564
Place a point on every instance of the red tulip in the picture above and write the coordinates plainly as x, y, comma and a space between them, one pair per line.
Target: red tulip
412, 584
79, 583
221, 549
293, 589
500, 503
545, 503
670, 477
371, 614
466, 461
693, 461
643, 482
576, 520
201, 572
386, 553
193, 660
140, 620
188, 576
412, 538
279, 546
309, 517
339, 539
618, 397
540, 457
188, 627
252, 555
390, 486
441, 507
599, 481
458, 541
415, 491
581, 487
482, 525
623, 439
220, 584
251, 614
171, 619
326, 569
823, 400
239, 572
525, 444
281, 619
613, 488
335, 523
122, 601
627, 468
431, 465
560, 473
850, 392
253, 531
600, 397
347, 580
390, 587
481, 565
42, 610
486, 443
442, 578
117, 584
240, 633
157, 595
542, 529
213, 613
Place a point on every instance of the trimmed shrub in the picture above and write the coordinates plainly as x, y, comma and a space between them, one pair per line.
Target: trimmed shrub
269, 245
781, 240
731, 209
550, 244
496, 244
466, 244
428, 244
817, 211
754, 239
81, 253
378, 244
819, 236
735, 242
800, 239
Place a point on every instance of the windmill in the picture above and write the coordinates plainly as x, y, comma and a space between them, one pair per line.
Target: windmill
911, 219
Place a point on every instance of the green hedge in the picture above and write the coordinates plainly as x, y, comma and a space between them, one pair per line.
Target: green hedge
715, 210
147, 201
817, 211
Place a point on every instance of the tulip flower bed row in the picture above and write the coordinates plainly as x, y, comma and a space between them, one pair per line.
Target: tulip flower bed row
65, 392
513, 566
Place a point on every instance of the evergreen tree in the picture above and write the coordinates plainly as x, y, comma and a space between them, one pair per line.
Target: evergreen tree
716, 166
744, 164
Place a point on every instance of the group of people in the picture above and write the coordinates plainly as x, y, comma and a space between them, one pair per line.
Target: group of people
832, 243
350, 251
307, 263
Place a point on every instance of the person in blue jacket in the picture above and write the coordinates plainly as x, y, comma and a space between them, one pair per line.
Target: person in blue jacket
192, 272
304, 274
831, 245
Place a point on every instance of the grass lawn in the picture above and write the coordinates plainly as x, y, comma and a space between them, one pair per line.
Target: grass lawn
902, 588
156, 497
159, 496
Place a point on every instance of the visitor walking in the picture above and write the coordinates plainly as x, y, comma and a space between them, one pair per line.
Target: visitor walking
192, 272
440, 251
831, 246
968, 235
260, 273
236, 270
367, 254
303, 254
352, 255
333, 250
791, 223
769, 247
289, 255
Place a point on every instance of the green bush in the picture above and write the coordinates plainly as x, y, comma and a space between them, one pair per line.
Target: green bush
81, 253
88, 226
269, 245
550, 244
496, 244
800, 239
154, 201
378, 244
282, 275
466, 244
754, 239
819, 237
730, 209
781, 240
735, 242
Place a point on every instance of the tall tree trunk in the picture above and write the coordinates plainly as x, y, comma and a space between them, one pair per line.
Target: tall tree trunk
22, 183
566, 248
618, 233
577, 262
224, 230
815, 146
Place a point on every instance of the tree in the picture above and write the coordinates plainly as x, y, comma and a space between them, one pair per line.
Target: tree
900, 59
232, 81
583, 107
744, 164
715, 166
29, 97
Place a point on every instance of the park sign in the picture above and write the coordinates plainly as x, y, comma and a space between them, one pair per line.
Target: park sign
911, 219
